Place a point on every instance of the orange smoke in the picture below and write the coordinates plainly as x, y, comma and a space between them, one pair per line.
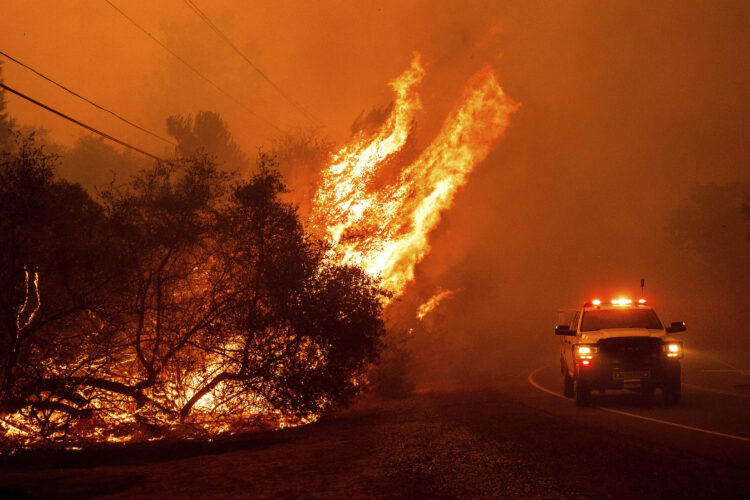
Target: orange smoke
386, 230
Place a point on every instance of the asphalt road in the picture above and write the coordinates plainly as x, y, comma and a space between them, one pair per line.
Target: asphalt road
514, 438
712, 420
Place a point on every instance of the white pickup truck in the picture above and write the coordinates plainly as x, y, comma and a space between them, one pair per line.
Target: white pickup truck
620, 345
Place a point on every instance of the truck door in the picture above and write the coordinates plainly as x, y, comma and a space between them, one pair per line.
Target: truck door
568, 341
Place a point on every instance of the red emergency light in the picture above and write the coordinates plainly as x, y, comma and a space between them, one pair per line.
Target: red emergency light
622, 301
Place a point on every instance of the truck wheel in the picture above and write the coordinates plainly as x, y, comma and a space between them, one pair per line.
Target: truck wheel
568, 389
582, 393
671, 391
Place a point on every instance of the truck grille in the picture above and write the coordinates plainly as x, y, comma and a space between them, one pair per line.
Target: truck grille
630, 350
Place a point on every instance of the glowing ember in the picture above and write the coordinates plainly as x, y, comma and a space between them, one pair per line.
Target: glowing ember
22, 323
386, 230
433, 302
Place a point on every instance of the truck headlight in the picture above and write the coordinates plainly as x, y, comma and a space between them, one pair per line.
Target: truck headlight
583, 351
673, 349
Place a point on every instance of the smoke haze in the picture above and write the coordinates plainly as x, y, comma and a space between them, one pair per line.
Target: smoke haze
632, 134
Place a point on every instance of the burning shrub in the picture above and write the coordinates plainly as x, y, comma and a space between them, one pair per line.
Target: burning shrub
179, 300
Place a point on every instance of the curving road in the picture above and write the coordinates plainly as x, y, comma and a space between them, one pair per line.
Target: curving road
712, 421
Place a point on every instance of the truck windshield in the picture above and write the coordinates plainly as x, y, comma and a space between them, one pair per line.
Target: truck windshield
620, 318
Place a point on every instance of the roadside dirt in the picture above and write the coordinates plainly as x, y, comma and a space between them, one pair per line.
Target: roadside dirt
461, 444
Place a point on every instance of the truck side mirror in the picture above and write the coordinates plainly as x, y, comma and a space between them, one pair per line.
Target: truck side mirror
564, 330
676, 326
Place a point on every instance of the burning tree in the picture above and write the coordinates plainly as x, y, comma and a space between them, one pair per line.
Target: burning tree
300, 329
55, 272
186, 300
180, 297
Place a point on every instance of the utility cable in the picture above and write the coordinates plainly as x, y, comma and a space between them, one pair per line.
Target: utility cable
189, 66
226, 39
81, 124
89, 101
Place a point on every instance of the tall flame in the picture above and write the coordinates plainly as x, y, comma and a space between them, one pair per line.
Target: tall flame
386, 230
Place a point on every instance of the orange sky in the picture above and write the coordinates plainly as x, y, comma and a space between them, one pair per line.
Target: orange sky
580, 63
333, 57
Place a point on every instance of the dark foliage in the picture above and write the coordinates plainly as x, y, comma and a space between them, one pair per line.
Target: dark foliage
178, 298
6, 123
55, 271
207, 133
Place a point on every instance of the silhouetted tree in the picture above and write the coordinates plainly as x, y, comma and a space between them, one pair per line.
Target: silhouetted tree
302, 330
207, 133
6, 123
94, 163
56, 273
178, 297
163, 222
300, 156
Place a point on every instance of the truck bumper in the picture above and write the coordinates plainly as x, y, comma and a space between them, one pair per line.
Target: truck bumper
604, 376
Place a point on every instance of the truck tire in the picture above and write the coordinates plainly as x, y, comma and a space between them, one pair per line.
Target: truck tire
671, 394
568, 389
671, 391
582, 393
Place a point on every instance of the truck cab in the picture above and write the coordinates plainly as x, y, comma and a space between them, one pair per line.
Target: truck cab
618, 345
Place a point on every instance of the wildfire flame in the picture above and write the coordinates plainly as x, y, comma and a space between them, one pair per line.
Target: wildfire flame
380, 226
386, 230
433, 302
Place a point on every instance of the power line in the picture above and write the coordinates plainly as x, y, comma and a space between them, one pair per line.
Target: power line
226, 39
81, 124
88, 101
189, 66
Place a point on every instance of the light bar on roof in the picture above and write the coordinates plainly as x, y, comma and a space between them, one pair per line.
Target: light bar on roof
622, 302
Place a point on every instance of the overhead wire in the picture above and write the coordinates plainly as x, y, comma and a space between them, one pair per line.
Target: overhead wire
143, 129
202, 15
193, 69
81, 124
